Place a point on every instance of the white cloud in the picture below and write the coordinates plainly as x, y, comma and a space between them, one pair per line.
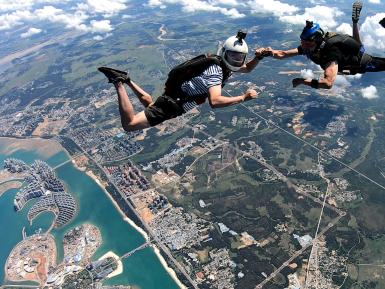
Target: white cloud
345, 28
18, 12
10, 20
191, 6
372, 33
323, 15
14, 5
375, 1
31, 31
353, 77
274, 7
107, 8
341, 81
100, 26
369, 92
227, 2
340, 86
98, 38
157, 3
52, 14
307, 73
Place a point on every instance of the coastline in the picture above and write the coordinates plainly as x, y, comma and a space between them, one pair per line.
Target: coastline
125, 218
169, 270
39, 144
8, 185
119, 270
82, 169
50, 259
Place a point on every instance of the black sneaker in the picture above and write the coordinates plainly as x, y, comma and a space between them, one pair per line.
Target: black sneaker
114, 75
356, 11
382, 22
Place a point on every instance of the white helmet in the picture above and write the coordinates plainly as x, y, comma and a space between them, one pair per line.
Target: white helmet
234, 51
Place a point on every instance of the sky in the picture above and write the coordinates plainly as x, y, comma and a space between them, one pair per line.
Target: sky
94, 16
30, 17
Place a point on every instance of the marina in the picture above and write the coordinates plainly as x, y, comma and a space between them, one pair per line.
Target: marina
95, 208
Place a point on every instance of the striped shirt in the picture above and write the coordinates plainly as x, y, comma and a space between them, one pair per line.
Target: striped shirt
199, 85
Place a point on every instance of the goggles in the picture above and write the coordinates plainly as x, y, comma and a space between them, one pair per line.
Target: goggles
235, 58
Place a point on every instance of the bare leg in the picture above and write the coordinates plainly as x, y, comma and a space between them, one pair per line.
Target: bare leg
144, 97
130, 121
356, 33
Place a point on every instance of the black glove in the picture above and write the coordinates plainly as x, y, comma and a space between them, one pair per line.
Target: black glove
382, 22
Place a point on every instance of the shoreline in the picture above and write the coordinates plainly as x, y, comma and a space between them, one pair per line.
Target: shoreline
169, 270
51, 241
118, 270
9, 185
125, 218
163, 262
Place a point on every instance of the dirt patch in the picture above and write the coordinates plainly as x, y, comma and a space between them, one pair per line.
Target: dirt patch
81, 162
44, 147
146, 215
42, 268
49, 127
203, 256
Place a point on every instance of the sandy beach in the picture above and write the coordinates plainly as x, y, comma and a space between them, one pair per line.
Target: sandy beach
83, 169
9, 185
125, 218
46, 258
119, 270
169, 270
50, 148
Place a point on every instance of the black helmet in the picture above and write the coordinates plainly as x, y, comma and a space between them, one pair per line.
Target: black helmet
312, 31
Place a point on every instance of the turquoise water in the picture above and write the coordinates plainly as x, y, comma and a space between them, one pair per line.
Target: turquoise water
11, 226
143, 269
149, 277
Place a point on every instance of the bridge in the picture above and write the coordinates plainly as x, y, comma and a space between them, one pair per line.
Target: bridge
144, 246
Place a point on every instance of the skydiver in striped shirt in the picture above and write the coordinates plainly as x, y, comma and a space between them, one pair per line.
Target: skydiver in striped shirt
182, 97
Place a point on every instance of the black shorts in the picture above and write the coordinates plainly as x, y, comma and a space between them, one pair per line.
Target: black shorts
162, 109
375, 65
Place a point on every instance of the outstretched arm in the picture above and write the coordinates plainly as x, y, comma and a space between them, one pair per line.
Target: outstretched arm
326, 82
280, 54
260, 53
216, 99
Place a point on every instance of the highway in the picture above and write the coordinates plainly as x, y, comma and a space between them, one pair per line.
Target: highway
299, 191
161, 245
268, 166
298, 253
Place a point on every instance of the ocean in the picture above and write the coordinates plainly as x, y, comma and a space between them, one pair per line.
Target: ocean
143, 269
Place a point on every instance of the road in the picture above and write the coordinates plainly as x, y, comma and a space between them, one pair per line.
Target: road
141, 247
298, 253
280, 175
268, 166
158, 242
299, 191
